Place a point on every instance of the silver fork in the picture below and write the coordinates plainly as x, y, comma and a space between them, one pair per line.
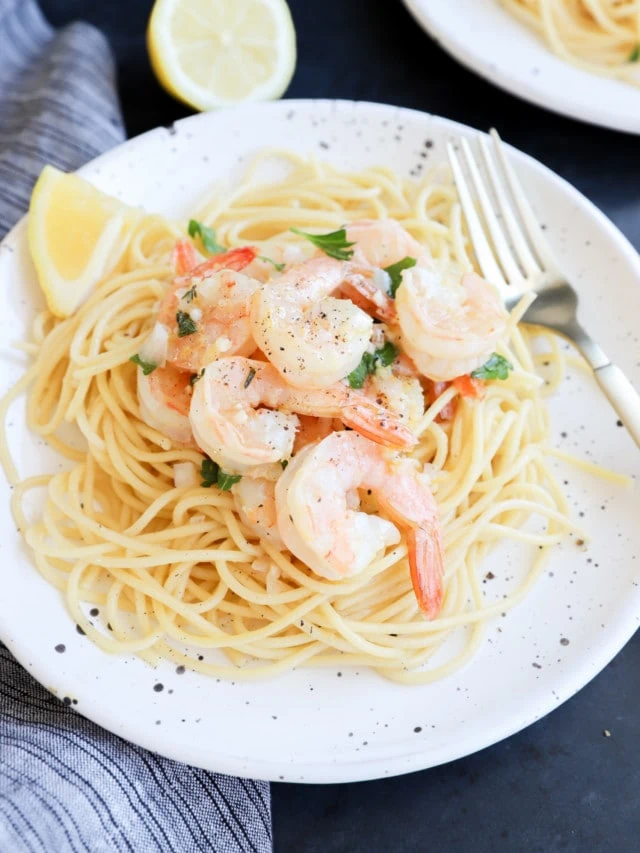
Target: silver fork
516, 258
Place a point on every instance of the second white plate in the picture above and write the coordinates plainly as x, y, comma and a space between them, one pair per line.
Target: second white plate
487, 39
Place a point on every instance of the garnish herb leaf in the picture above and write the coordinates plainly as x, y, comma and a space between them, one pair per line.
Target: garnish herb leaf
196, 376
357, 377
395, 273
284, 463
334, 244
213, 475
147, 366
191, 294
225, 481
387, 354
384, 356
186, 326
207, 236
267, 260
249, 378
634, 56
208, 472
497, 367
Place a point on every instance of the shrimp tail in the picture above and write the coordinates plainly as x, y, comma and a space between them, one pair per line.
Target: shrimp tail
184, 257
426, 563
363, 293
377, 424
234, 259
468, 386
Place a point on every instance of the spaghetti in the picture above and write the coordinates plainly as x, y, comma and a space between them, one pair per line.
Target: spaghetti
601, 36
172, 571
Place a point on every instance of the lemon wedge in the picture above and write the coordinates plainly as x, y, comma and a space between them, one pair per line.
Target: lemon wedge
77, 235
217, 54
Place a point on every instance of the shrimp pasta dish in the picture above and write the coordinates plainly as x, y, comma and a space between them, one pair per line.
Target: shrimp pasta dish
295, 427
600, 36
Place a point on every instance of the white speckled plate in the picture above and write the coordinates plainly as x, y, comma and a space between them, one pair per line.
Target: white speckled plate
326, 726
486, 38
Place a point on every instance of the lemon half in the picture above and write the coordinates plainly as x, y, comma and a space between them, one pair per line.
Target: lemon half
77, 235
217, 53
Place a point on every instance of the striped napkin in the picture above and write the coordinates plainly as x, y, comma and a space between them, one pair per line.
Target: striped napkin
65, 783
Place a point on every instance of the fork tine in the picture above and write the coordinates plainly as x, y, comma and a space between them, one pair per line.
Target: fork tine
483, 250
534, 231
518, 240
505, 256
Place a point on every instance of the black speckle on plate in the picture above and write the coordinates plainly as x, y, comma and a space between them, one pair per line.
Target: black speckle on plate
158, 687
418, 729
60, 648
180, 670
94, 612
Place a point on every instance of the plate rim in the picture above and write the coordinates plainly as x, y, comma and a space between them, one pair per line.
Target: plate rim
421, 756
552, 101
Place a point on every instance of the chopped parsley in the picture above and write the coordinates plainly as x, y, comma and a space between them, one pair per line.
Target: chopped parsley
387, 354
186, 326
225, 481
191, 294
357, 377
369, 363
634, 56
208, 472
213, 475
249, 378
196, 376
334, 244
284, 463
497, 367
395, 273
147, 366
267, 260
207, 237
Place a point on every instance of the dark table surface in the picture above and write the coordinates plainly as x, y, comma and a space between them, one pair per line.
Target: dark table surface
560, 785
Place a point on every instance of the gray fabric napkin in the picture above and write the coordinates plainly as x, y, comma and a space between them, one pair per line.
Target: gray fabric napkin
65, 783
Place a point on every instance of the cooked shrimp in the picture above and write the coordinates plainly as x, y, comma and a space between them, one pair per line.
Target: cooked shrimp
256, 503
379, 243
208, 316
184, 257
232, 425
234, 259
383, 242
311, 337
397, 392
312, 429
448, 328
164, 397
315, 519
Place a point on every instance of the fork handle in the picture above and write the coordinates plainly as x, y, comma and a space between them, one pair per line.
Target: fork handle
622, 395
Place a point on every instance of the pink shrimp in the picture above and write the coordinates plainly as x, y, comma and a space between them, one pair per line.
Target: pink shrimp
243, 414
314, 500
165, 397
